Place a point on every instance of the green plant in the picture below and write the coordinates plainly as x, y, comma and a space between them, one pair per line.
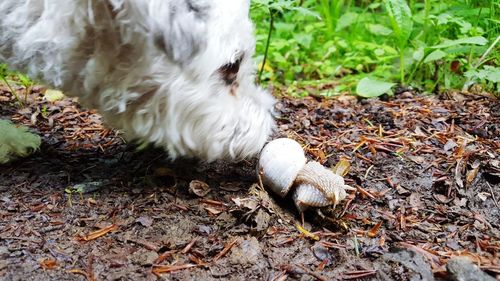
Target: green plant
72, 190
427, 44
402, 25
16, 141
331, 12
3, 76
274, 8
27, 83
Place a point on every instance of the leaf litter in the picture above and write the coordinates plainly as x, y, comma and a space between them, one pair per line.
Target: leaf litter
426, 171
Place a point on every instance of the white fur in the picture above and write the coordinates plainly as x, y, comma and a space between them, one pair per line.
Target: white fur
151, 67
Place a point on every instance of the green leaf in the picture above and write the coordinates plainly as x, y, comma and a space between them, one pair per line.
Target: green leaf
346, 20
279, 58
369, 88
284, 27
378, 29
303, 39
401, 19
16, 141
25, 80
3, 70
418, 55
434, 56
476, 40
489, 73
374, 6
492, 73
306, 12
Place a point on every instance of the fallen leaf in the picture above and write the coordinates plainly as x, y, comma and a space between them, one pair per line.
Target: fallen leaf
471, 174
199, 188
53, 95
417, 159
342, 167
145, 221
249, 203
213, 211
449, 145
441, 198
48, 263
483, 196
99, 233
374, 231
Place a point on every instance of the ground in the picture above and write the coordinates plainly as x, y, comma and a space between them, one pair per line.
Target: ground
88, 206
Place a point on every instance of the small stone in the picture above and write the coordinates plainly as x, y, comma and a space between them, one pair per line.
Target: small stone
406, 95
144, 257
413, 264
4, 251
145, 221
321, 253
3, 265
248, 252
462, 269
262, 220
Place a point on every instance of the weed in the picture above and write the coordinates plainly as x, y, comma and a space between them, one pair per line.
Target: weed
427, 44
4, 73
78, 189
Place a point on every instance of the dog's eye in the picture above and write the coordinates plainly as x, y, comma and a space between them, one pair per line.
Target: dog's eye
229, 71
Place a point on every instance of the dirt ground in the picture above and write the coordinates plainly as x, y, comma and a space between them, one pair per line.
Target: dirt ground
87, 206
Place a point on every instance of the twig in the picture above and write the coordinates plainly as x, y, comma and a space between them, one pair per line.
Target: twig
312, 273
493, 195
488, 51
12, 91
225, 250
189, 246
268, 42
157, 270
357, 274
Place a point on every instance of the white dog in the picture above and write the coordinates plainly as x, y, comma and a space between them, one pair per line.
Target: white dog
177, 73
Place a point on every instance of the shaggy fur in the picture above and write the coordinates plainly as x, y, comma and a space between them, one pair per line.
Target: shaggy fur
177, 73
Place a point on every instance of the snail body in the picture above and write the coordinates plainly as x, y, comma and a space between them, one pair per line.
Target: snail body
283, 167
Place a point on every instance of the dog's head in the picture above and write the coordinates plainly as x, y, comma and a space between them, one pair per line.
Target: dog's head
202, 63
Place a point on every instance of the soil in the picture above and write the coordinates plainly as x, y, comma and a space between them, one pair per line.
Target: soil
88, 206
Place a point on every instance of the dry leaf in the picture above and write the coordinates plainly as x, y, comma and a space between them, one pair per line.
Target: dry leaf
48, 263
199, 188
53, 95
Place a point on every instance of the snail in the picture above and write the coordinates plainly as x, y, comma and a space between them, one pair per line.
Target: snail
284, 167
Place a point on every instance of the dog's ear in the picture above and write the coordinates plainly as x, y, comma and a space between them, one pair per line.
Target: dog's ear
180, 27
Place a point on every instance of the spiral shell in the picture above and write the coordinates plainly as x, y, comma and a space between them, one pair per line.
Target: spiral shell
279, 164
283, 167
316, 186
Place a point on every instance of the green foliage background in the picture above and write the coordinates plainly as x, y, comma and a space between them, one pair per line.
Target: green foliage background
431, 45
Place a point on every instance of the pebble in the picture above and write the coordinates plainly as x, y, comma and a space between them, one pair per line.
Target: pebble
462, 269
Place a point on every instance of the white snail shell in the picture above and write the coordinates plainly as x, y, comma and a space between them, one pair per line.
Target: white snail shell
280, 162
282, 165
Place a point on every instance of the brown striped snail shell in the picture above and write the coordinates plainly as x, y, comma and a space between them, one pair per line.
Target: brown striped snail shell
283, 167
